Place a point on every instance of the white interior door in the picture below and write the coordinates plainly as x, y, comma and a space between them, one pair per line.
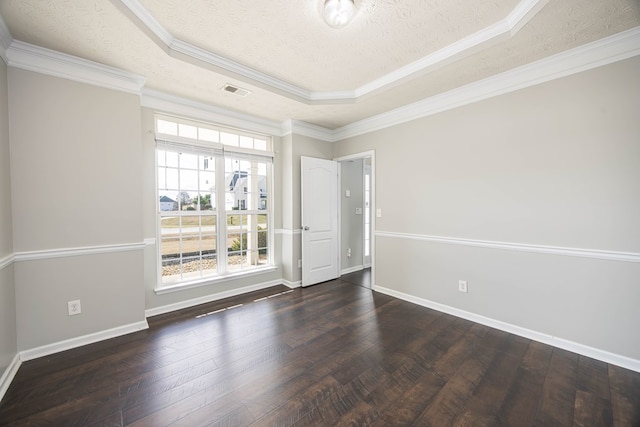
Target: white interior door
319, 220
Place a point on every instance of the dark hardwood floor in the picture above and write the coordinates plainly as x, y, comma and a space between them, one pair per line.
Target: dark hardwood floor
328, 355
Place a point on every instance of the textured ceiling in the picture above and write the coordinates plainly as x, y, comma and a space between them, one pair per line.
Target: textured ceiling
393, 53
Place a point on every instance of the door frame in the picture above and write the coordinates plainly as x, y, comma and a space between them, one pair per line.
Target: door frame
372, 155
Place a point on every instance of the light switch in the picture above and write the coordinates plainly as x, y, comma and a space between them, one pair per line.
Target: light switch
378, 213
347, 193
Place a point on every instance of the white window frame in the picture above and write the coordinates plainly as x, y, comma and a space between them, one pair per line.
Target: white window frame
218, 151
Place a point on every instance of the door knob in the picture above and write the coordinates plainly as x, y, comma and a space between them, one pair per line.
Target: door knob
305, 228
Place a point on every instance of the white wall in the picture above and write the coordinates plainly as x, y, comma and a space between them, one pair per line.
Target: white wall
76, 182
8, 338
554, 165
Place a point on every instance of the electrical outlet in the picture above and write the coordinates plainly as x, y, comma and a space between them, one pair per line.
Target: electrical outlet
299, 263
462, 286
74, 307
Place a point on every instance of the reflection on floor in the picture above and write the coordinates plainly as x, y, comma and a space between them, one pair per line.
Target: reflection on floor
360, 278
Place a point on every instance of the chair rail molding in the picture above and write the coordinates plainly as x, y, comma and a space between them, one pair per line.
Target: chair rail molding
521, 247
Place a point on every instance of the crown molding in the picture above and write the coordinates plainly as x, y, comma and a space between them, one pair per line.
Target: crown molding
46, 61
596, 54
307, 129
485, 38
5, 40
172, 104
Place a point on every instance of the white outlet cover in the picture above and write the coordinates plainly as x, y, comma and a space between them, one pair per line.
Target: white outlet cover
74, 307
462, 286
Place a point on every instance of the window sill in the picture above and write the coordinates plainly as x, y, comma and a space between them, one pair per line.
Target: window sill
206, 281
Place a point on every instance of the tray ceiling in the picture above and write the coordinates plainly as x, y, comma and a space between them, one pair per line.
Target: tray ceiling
393, 53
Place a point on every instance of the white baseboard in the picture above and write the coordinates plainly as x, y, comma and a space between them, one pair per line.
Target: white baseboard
9, 374
292, 285
209, 298
57, 347
351, 269
595, 353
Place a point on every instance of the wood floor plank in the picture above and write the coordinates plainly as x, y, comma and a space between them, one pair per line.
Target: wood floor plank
331, 354
625, 396
522, 400
559, 390
482, 406
405, 409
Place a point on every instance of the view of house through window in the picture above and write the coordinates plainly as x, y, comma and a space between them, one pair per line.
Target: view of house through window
214, 206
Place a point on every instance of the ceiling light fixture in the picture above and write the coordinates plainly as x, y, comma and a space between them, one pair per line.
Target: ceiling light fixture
338, 13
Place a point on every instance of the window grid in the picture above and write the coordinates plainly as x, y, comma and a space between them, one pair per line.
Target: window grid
188, 222
201, 132
191, 229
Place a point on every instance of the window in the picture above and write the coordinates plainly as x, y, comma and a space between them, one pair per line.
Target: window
214, 206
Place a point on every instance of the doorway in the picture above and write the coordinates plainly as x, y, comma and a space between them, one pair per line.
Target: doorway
355, 212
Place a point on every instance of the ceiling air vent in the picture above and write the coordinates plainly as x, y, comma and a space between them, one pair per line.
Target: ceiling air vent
235, 90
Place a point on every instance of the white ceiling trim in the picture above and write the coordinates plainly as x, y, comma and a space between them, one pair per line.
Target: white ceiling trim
200, 57
47, 61
596, 54
172, 104
178, 49
307, 129
483, 39
602, 52
5, 40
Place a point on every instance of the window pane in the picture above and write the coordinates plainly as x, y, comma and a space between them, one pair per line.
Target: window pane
171, 179
188, 179
246, 142
189, 161
162, 178
205, 134
209, 264
260, 144
205, 201
187, 200
161, 154
188, 131
207, 163
207, 181
209, 244
229, 139
172, 159
167, 203
169, 128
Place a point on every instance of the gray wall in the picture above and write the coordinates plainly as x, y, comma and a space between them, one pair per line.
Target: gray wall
76, 183
557, 165
8, 338
351, 224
